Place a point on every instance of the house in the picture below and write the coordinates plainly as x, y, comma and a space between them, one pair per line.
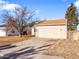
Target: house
55, 29
2, 30
13, 31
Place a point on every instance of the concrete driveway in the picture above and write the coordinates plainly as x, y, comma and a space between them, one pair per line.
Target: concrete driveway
29, 49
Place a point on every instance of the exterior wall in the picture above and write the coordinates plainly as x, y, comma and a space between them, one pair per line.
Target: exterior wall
74, 35
10, 33
63, 32
2, 31
27, 31
78, 34
55, 32
32, 31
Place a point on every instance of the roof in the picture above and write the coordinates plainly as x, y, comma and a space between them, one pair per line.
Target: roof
2, 25
52, 22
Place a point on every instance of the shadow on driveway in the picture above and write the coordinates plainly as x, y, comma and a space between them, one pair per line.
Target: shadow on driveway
7, 46
27, 51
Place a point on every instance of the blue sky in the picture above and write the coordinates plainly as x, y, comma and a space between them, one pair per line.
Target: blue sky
45, 9
50, 9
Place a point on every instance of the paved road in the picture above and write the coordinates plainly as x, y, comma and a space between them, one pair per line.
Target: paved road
29, 49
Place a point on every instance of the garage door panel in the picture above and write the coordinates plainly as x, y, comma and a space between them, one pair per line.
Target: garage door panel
48, 33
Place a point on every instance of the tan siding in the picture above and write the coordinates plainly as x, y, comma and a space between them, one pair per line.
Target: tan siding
55, 32
63, 32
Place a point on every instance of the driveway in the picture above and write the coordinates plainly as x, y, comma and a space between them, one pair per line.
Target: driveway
29, 49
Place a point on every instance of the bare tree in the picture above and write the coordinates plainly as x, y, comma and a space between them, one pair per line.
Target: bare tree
20, 21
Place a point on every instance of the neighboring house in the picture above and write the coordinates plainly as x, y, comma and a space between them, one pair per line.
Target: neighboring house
55, 29
13, 31
2, 30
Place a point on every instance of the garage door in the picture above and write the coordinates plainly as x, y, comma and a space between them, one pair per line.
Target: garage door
48, 33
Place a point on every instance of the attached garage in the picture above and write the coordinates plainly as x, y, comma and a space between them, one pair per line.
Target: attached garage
45, 32
55, 29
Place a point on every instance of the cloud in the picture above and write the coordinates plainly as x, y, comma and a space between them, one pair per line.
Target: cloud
77, 4
8, 6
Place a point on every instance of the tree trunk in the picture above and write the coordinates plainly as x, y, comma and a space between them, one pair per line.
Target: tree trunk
72, 35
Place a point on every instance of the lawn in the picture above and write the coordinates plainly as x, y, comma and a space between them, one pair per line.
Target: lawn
12, 39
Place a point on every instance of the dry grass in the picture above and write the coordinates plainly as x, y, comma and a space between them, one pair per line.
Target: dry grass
68, 49
12, 39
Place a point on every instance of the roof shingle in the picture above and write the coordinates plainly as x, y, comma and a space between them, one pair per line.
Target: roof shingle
52, 22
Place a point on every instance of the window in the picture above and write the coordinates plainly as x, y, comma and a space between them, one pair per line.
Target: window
13, 31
